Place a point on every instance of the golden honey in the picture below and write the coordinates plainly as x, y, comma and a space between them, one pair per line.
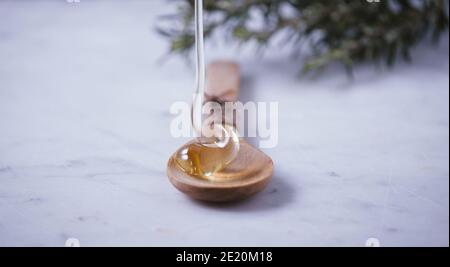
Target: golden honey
207, 156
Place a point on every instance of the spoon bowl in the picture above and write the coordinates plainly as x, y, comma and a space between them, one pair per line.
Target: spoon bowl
247, 175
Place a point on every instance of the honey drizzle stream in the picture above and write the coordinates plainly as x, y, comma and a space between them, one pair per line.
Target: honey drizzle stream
197, 116
207, 156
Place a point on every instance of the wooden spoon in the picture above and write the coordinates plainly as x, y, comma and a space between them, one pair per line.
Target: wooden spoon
248, 174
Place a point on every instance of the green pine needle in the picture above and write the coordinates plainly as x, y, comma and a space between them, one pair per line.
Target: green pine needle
345, 31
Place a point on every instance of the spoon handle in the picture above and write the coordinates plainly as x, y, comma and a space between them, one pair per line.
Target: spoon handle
223, 80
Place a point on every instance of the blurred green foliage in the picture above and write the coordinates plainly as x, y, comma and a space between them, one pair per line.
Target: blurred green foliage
345, 31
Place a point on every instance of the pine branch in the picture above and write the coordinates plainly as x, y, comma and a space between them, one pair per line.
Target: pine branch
345, 31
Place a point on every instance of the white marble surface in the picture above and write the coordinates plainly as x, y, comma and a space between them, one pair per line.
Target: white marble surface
84, 140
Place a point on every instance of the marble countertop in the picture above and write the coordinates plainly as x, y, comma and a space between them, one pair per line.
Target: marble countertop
84, 140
